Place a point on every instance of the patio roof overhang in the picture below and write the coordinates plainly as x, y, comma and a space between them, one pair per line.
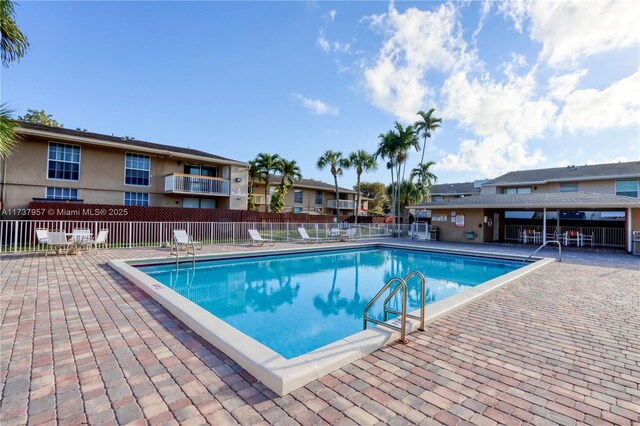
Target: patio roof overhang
549, 200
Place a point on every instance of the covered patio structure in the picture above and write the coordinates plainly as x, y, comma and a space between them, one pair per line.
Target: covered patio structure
578, 218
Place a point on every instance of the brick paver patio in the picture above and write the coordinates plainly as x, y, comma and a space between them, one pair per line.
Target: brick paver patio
80, 344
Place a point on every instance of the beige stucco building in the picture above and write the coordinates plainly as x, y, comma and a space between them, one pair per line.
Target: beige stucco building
78, 166
313, 197
600, 202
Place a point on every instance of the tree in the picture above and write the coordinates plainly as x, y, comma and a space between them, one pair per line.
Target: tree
9, 137
40, 117
337, 163
254, 176
395, 146
425, 177
277, 199
13, 46
377, 191
266, 164
290, 172
425, 126
361, 161
14, 43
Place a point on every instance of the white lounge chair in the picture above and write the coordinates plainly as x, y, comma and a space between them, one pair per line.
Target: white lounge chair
57, 240
334, 234
184, 241
101, 239
304, 237
257, 240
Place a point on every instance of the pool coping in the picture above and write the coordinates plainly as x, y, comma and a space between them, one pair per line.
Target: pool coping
283, 375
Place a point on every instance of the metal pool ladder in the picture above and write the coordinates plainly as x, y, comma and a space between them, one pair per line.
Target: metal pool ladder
402, 285
544, 245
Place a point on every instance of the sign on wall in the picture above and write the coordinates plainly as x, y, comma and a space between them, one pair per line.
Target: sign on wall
460, 221
453, 217
439, 218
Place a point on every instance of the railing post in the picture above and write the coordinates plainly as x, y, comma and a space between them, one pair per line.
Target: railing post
15, 237
287, 231
130, 234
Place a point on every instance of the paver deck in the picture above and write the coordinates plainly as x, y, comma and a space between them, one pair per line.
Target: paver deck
80, 344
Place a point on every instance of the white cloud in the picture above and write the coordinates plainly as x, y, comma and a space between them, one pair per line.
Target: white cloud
416, 41
316, 106
504, 115
332, 14
323, 42
560, 86
615, 106
571, 30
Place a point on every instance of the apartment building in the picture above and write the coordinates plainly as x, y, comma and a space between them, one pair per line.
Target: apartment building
313, 197
445, 191
83, 167
613, 178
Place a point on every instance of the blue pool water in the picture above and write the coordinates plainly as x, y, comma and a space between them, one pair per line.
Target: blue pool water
299, 302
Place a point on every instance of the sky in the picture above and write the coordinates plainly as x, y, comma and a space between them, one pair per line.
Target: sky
519, 85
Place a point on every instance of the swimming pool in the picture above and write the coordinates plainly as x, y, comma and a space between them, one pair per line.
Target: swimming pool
296, 303
290, 316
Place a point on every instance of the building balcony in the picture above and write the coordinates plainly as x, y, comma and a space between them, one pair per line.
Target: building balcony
180, 183
341, 204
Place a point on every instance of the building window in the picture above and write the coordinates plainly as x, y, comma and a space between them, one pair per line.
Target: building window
518, 190
136, 199
198, 203
297, 209
137, 168
297, 196
437, 198
568, 187
319, 197
64, 161
61, 194
627, 188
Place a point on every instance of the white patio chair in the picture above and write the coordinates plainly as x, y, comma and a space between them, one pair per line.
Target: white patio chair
350, 235
57, 240
101, 239
82, 238
334, 234
257, 240
42, 235
590, 238
183, 241
571, 236
304, 237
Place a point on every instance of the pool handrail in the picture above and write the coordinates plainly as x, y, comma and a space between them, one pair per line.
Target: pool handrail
403, 314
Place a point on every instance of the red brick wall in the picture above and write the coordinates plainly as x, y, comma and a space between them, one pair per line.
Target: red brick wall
102, 212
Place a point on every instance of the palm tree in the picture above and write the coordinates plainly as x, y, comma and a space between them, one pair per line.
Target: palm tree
9, 138
426, 178
424, 127
290, 172
13, 46
395, 146
361, 161
337, 163
266, 165
14, 43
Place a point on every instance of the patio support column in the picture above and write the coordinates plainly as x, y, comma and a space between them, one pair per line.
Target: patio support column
558, 222
544, 225
629, 242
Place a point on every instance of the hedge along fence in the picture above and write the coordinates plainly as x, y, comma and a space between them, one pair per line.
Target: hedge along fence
44, 210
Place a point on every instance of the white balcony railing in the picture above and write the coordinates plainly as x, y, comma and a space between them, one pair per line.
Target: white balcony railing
193, 184
341, 204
